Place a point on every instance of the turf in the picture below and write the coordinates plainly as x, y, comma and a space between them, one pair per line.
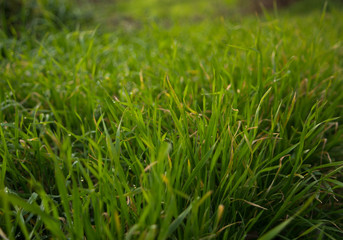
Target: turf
175, 127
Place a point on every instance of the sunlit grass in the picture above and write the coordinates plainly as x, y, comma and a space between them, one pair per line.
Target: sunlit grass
201, 129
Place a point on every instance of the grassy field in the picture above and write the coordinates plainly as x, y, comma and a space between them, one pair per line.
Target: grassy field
185, 122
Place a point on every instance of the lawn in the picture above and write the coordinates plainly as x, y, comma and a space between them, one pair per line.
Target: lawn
174, 120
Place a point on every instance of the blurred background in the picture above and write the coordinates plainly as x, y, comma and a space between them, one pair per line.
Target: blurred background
37, 16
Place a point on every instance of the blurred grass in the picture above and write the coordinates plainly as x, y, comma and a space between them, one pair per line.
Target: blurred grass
131, 14
36, 17
134, 13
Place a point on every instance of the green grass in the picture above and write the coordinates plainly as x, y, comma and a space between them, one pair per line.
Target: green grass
187, 128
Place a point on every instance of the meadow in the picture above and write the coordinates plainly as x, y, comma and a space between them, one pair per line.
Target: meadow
190, 121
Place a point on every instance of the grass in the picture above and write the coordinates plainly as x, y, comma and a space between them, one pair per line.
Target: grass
217, 127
